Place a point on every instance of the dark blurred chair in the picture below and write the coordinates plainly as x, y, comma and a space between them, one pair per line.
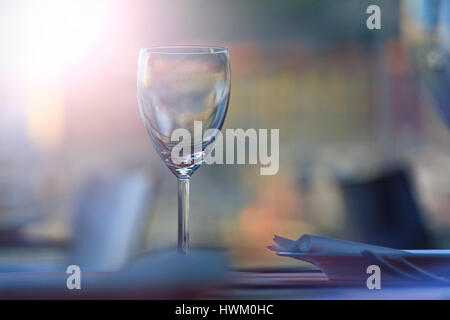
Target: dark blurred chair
384, 210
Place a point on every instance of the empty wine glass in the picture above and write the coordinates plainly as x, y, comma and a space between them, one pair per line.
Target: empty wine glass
176, 87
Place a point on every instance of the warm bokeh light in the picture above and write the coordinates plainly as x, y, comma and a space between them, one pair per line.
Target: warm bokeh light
45, 115
57, 33
49, 38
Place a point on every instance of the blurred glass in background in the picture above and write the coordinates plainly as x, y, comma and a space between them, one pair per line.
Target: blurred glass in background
364, 154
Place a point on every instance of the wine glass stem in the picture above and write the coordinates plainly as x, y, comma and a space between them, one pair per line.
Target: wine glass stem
183, 216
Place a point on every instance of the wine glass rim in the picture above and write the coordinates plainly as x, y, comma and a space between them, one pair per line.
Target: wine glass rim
186, 49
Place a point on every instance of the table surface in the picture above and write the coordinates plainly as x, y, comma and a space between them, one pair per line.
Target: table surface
309, 284
304, 285
284, 283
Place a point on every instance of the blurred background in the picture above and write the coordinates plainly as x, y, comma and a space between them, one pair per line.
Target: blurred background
364, 149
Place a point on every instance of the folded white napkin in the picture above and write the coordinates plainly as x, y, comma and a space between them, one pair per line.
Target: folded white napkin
347, 260
327, 246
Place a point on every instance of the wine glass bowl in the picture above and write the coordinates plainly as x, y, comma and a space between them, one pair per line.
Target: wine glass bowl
180, 85
177, 86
